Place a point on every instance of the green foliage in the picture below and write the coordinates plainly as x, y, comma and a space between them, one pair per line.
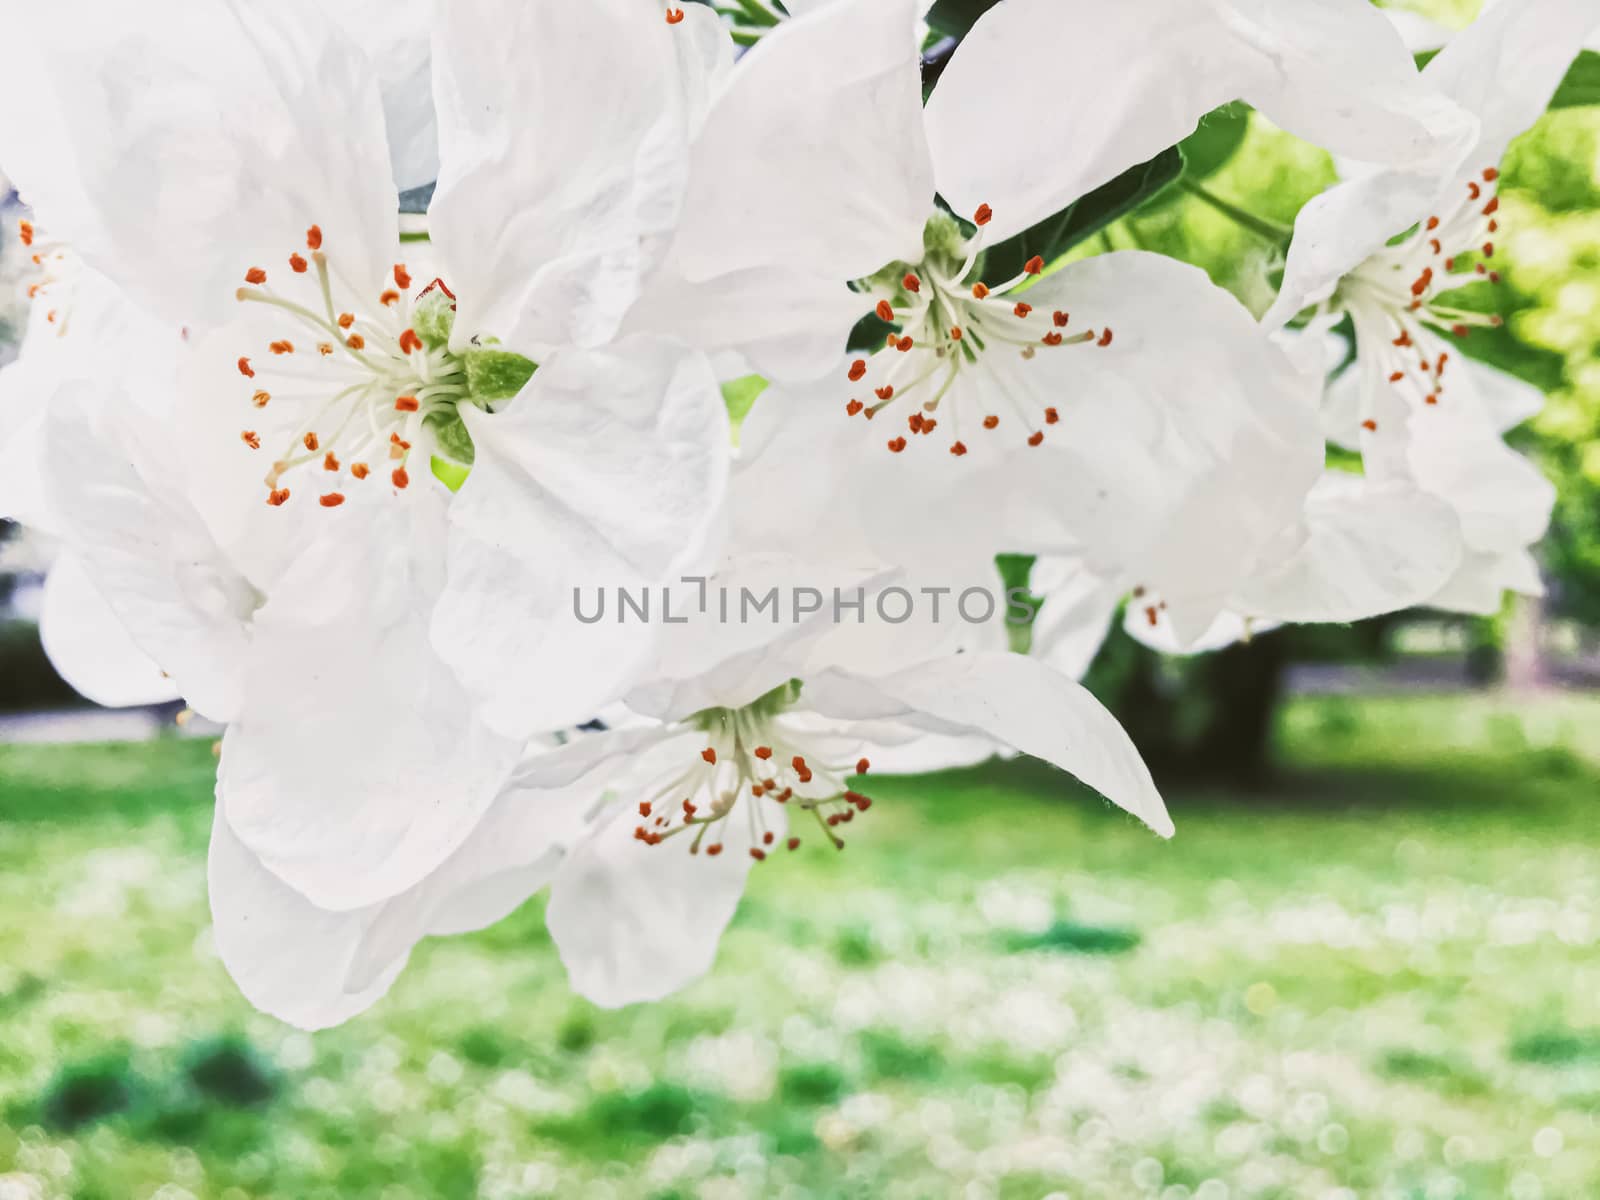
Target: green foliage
1581, 86
955, 18
799, 1058
31, 683
1069, 937
88, 1091
1215, 140
1052, 238
494, 374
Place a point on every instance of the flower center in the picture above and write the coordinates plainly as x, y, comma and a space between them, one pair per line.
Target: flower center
751, 757
359, 376
946, 323
1393, 297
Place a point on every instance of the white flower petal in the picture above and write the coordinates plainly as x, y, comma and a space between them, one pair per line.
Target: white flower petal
606, 472
176, 592
291, 959
315, 968
790, 324
355, 765
563, 137
210, 155
1366, 549
88, 646
1072, 623
397, 36
1019, 702
635, 923
1479, 587
1088, 91
822, 125
1224, 439
1505, 66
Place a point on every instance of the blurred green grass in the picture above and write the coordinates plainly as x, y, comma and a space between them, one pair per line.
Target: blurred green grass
1377, 978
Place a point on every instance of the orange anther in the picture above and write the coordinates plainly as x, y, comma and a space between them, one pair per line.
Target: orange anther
991, 422
310, 441
1022, 310
983, 216
958, 448
346, 320
360, 470
331, 500
885, 311
885, 392
858, 369
674, 16
904, 344
283, 347
1105, 338
897, 445
260, 399
314, 238
763, 752
402, 277
1490, 174
709, 754
955, 333
25, 231
714, 849
330, 461
399, 477
406, 404
297, 264
980, 291
1053, 338
356, 342
1035, 265
1051, 416
1397, 377
1433, 223
1036, 438
863, 766
389, 298
246, 370
255, 275
277, 497
1370, 426
853, 407
911, 283
251, 439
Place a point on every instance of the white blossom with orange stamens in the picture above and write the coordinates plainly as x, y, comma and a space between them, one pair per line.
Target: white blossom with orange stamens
1388, 248
353, 591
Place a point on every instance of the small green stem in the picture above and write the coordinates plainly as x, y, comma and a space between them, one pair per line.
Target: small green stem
1271, 231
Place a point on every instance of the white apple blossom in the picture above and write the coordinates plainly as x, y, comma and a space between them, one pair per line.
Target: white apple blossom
645, 835
218, 191
1356, 549
1043, 101
1386, 248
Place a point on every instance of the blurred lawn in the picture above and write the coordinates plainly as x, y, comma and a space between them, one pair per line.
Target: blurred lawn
1379, 980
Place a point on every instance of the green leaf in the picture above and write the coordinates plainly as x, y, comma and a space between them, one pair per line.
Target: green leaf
454, 440
496, 374
869, 333
1582, 84
452, 475
1054, 237
740, 396
957, 17
1220, 134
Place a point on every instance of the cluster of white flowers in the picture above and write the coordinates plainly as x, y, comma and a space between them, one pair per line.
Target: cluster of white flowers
337, 473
